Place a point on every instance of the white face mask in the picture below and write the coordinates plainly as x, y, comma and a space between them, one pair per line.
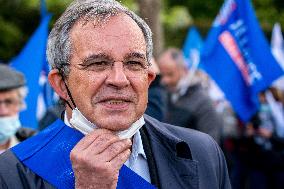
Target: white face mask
8, 127
80, 122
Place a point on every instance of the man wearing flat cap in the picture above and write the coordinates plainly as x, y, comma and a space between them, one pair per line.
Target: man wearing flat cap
12, 94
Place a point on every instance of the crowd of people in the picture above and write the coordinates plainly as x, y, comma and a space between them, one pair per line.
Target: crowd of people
140, 122
254, 150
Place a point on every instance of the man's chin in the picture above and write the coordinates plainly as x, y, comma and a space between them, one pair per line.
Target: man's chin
115, 124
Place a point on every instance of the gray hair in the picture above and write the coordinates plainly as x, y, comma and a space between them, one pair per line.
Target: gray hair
59, 42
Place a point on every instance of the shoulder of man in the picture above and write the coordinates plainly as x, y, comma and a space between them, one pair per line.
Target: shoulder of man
185, 134
203, 149
199, 143
15, 175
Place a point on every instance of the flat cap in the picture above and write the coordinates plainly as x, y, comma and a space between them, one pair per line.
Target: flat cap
10, 78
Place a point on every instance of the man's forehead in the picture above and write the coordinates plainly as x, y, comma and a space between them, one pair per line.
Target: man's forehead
116, 26
166, 59
8, 94
102, 22
118, 33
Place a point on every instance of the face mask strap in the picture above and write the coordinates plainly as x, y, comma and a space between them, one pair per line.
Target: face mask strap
68, 91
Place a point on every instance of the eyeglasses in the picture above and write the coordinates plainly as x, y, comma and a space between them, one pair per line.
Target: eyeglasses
102, 65
9, 102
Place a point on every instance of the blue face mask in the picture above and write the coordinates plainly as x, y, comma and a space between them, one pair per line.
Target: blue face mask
264, 107
8, 127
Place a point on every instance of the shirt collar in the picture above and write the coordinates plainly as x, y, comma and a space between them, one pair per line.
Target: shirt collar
137, 150
137, 147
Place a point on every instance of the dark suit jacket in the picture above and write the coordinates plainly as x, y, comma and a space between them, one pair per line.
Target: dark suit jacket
184, 158
195, 110
157, 100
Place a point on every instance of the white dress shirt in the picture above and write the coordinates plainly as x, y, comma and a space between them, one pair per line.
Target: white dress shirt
137, 161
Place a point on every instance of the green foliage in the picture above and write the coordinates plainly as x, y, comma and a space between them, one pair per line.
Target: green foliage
132, 5
269, 12
11, 35
201, 14
17, 24
176, 17
20, 18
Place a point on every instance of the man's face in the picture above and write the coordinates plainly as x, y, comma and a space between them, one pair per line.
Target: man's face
170, 72
110, 98
9, 103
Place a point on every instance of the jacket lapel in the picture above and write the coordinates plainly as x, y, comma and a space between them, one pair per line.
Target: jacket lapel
175, 166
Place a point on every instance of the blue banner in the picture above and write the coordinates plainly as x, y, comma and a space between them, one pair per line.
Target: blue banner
192, 47
238, 57
31, 61
43, 9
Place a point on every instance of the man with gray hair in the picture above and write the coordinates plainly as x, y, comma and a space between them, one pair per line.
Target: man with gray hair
100, 53
12, 94
189, 105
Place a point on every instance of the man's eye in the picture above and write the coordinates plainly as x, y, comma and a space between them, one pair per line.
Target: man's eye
97, 65
134, 65
8, 101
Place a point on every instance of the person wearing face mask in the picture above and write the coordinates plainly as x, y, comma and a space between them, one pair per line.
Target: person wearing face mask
100, 55
12, 94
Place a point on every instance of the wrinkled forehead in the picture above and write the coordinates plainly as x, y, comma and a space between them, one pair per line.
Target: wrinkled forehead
111, 32
120, 22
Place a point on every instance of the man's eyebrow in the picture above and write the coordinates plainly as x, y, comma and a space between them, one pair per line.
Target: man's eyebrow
96, 56
135, 55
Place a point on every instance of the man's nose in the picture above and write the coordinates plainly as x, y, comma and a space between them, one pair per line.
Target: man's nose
117, 76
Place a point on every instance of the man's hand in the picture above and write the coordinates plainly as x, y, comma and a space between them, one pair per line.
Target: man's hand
97, 158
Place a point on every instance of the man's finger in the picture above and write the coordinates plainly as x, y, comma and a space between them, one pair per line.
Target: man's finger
86, 141
120, 159
102, 142
115, 149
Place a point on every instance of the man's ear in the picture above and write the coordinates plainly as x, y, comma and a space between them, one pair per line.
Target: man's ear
151, 76
153, 71
56, 81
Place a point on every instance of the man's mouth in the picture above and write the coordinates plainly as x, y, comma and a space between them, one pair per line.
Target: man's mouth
116, 104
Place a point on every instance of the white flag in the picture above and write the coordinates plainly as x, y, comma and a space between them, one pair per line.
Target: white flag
277, 48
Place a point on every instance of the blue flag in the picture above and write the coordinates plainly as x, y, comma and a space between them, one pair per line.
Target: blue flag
43, 9
237, 56
192, 47
30, 62
46, 96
